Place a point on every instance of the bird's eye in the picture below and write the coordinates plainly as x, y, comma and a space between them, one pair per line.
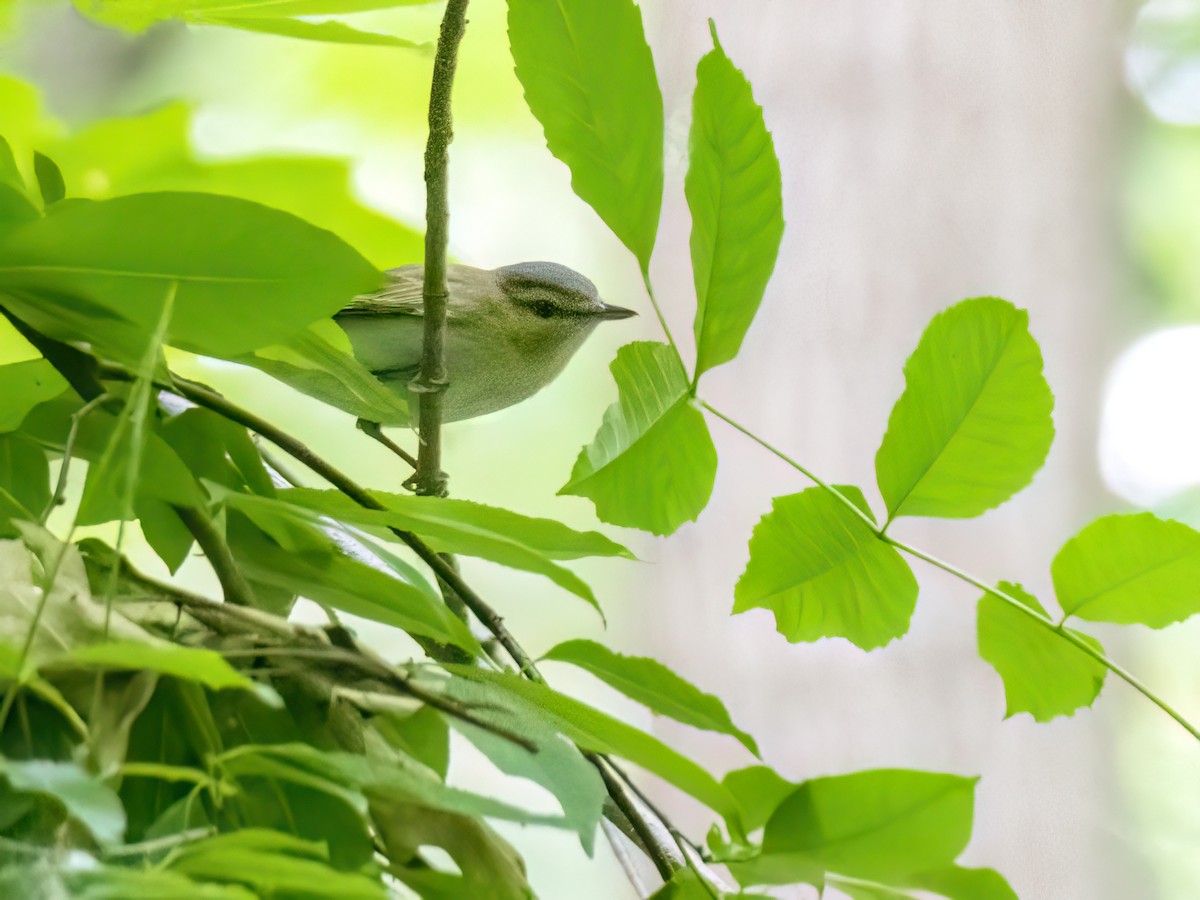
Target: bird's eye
543, 308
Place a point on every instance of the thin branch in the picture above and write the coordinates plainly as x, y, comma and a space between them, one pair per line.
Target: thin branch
657, 847
1043, 620
236, 588
430, 383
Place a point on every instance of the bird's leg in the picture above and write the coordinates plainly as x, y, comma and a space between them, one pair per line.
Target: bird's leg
375, 431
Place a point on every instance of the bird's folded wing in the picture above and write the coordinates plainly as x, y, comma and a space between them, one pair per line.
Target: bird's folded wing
400, 297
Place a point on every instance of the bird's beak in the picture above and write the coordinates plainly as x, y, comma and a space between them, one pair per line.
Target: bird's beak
614, 312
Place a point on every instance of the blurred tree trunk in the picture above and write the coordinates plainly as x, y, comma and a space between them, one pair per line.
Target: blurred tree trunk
931, 151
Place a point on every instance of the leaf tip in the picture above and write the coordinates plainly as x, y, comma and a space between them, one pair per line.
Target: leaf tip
712, 28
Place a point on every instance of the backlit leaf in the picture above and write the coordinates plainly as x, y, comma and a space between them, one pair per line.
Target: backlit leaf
973, 424
652, 464
1043, 674
23, 385
652, 684
735, 194
231, 260
1130, 568
589, 79
824, 573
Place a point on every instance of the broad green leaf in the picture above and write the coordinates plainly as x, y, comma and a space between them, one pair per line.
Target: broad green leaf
25, 473
271, 863
207, 667
652, 684
231, 261
50, 179
326, 32
824, 572
136, 15
85, 798
472, 529
592, 730
217, 449
1043, 674
958, 883
758, 791
589, 79
348, 585
123, 883
735, 194
152, 152
9, 173
652, 464
884, 825
1130, 568
974, 422
23, 385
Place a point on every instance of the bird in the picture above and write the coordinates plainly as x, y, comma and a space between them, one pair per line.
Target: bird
509, 331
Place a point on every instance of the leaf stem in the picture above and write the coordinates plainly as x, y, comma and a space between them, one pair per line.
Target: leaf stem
430, 383
662, 321
1045, 621
234, 585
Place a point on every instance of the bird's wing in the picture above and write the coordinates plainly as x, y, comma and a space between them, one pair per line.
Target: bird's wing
400, 297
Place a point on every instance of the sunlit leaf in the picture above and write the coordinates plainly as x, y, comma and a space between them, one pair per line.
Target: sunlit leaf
824, 573
1043, 674
589, 79
652, 464
735, 194
973, 424
758, 791
206, 667
651, 683
326, 32
25, 473
153, 152
230, 260
1130, 568
883, 825
473, 529
23, 386
85, 798
345, 584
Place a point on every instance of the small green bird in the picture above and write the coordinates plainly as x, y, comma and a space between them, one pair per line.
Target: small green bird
509, 331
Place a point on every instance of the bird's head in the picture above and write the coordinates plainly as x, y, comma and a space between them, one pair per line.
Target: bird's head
554, 302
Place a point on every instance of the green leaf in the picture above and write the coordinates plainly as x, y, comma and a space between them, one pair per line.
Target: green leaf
883, 825
589, 79
652, 464
120, 883
25, 473
23, 386
326, 32
50, 179
555, 764
85, 798
164, 531
272, 864
1130, 568
974, 422
958, 883
232, 261
652, 684
1043, 674
472, 529
592, 730
735, 194
348, 585
206, 667
152, 152
758, 791
824, 572
136, 16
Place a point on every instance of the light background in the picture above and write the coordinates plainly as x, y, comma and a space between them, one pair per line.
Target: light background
931, 150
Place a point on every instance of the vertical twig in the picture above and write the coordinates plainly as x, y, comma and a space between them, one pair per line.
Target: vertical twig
431, 381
